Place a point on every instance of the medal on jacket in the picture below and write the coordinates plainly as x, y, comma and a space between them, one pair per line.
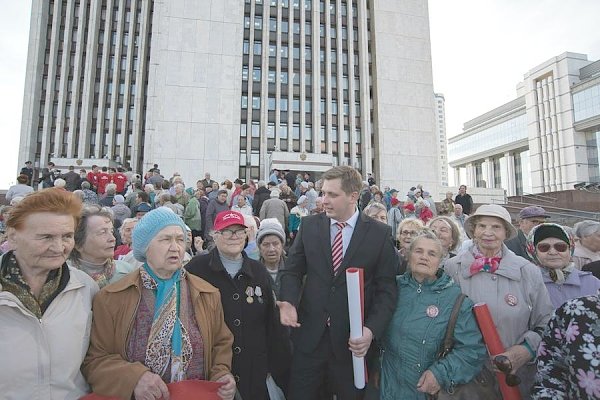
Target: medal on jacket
432, 311
258, 293
249, 293
511, 300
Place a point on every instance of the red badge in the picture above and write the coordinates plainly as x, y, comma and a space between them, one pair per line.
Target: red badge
432, 311
511, 300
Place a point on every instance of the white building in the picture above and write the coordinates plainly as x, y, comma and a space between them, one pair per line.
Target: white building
545, 140
228, 86
440, 121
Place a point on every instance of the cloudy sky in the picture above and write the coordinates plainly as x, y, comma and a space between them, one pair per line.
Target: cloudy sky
481, 49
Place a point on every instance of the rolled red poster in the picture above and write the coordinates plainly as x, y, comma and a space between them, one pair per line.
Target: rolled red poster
494, 345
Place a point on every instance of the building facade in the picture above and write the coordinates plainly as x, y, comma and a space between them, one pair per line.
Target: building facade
543, 141
232, 87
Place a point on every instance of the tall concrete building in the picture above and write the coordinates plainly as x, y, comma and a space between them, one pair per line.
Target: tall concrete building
545, 140
442, 143
233, 87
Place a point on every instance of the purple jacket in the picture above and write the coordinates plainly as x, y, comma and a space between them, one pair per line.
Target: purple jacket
578, 284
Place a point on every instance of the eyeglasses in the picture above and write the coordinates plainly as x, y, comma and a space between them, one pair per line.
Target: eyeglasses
409, 233
545, 247
228, 233
504, 365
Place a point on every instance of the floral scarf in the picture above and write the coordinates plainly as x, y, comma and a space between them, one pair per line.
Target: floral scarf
484, 264
13, 282
101, 273
169, 342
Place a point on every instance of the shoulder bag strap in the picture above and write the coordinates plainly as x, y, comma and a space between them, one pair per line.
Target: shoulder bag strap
448, 342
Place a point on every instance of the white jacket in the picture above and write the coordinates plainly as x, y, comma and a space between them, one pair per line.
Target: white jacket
41, 358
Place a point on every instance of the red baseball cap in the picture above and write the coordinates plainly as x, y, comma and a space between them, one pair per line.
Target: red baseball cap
228, 218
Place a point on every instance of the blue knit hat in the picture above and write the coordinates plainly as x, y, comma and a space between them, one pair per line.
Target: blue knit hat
149, 226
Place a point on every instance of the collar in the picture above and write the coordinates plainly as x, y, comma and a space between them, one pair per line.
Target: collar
351, 221
510, 265
216, 264
134, 280
573, 279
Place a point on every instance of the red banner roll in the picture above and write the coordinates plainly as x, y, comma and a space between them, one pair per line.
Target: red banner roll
184, 390
494, 346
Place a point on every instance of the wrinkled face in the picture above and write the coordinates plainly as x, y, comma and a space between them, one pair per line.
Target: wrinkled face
165, 252
271, 249
591, 242
406, 235
126, 231
231, 240
319, 204
489, 234
458, 210
443, 231
527, 224
241, 201
424, 259
551, 257
338, 204
43, 242
99, 244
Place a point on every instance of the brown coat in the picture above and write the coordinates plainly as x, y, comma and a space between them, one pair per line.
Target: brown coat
106, 367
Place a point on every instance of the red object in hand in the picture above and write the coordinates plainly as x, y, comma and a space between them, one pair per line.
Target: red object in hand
184, 390
494, 346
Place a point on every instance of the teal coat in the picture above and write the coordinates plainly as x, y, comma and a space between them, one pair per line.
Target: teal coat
413, 339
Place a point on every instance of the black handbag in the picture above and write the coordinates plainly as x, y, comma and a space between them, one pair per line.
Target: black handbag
483, 386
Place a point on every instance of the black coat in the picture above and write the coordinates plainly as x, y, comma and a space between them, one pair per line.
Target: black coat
260, 345
324, 295
261, 194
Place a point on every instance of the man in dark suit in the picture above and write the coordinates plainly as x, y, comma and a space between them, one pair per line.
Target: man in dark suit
314, 300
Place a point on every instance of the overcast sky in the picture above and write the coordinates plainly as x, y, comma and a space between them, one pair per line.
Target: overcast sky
481, 49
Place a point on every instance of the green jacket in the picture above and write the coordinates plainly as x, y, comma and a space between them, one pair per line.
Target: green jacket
414, 336
192, 216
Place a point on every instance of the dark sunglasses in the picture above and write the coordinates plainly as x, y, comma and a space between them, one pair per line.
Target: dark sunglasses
560, 247
505, 366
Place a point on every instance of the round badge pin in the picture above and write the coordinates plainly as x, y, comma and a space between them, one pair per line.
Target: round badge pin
250, 300
432, 311
511, 300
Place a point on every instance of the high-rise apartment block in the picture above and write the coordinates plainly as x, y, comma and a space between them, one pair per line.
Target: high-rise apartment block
440, 122
233, 87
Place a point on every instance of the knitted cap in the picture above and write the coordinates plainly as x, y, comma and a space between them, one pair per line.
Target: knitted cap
270, 226
149, 226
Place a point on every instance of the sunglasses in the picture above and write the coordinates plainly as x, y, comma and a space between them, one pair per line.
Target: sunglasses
560, 247
505, 366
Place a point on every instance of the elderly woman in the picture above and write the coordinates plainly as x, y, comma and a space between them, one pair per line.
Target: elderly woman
271, 241
377, 211
587, 249
259, 347
95, 246
550, 246
410, 367
20, 189
512, 287
45, 305
407, 231
448, 233
159, 324
125, 230
296, 215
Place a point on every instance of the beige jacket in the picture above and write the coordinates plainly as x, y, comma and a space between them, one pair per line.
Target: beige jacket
106, 367
41, 358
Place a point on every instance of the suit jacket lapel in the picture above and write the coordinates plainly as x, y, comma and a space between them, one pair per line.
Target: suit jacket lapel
324, 237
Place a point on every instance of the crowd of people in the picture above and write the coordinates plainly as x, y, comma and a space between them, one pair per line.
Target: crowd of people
119, 284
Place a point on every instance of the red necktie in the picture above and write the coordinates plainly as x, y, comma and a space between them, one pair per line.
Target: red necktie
337, 249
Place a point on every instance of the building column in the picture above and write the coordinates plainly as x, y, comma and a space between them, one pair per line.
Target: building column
511, 187
489, 176
456, 172
471, 178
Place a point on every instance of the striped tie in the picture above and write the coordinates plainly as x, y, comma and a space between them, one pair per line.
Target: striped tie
337, 249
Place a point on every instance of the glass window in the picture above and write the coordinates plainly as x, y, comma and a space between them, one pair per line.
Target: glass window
284, 26
244, 102
246, 22
257, 48
243, 130
246, 47
283, 104
332, 32
283, 51
308, 79
308, 4
296, 3
296, 77
284, 77
256, 74
271, 102
296, 52
256, 102
334, 107
333, 56
322, 106
296, 131
308, 28
272, 50
308, 53
346, 108
257, 22
322, 30
245, 73
322, 55
270, 130
297, 28
285, 3
272, 76
273, 24
283, 131
296, 104
344, 33
307, 105
256, 129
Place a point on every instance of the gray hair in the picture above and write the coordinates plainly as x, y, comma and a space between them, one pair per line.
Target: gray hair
88, 211
374, 208
586, 228
111, 189
125, 222
85, 185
